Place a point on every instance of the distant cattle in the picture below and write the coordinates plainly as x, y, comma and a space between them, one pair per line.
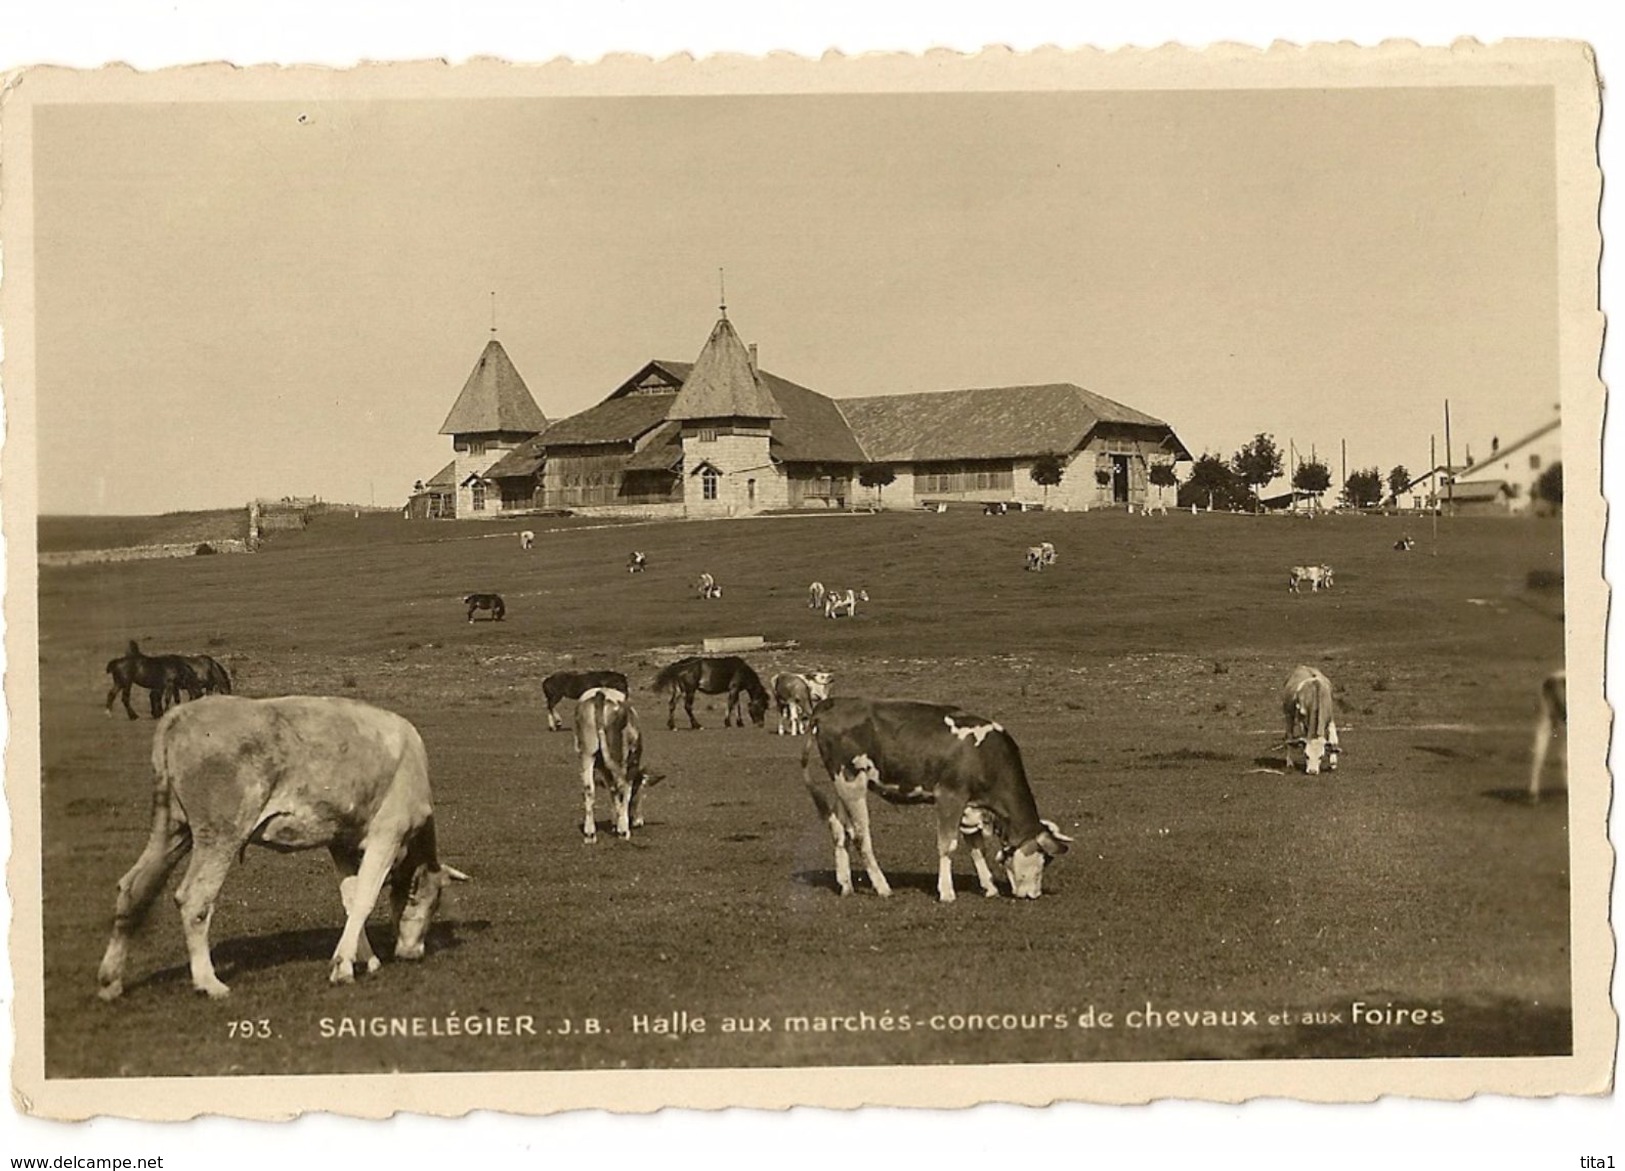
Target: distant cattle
164, 676
527, 539
843, 602
1318, 577
706, 587
491, 602
294, 773
563, 685
815, 596
609, 747
1404, 545
1554, 713
637, 562
795, 696
726, 673
1035, 559
1311, 720
912, 753
997, 508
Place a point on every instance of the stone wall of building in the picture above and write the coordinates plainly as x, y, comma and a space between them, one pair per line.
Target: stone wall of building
747, 482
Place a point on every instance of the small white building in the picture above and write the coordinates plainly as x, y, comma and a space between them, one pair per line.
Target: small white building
1518, 465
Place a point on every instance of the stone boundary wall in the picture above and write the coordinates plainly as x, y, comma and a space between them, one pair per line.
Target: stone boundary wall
140, 552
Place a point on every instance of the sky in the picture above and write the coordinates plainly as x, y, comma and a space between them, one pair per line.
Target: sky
285, 298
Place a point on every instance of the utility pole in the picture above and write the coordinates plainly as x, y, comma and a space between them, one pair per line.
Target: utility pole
1291, 473
1345, 463
1433, 490
1450, 463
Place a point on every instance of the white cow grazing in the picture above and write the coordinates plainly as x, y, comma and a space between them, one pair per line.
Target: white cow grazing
527, 539
1319, 577
1554, 712
1311, 721
294, 773
609, 745
815, 596
839, 602
796, 695
1046, 553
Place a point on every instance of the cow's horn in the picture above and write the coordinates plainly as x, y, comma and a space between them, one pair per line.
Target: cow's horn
1054, 830
455, 874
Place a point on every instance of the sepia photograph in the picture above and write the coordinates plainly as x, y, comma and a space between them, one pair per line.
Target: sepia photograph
909, 582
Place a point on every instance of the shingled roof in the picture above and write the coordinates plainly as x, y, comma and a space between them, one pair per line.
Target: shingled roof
494, 398
993, 422
810, 428
723, 383
615, 420
525, 460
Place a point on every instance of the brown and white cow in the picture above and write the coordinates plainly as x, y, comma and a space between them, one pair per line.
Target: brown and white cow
293, 773
796, 695
839, 602
1554, 713
637, 562
1319, 578
609, 746
1311, 720
913, 753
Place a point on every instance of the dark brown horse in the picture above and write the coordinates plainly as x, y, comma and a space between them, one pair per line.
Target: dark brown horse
164, 677
211, 676
563, 685
713, 676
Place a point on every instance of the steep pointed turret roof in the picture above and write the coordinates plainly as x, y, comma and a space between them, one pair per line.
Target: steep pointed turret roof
494, 398
723, 384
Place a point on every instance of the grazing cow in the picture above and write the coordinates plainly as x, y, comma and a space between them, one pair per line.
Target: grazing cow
636, 563
563, 685
164, 677
1035, 559
727, 673
998, 508
609, 746
1311, 720
839, 602
1319, 577
293, 773
1404, 545
707, 587
527, 539
1046, 553
211, 676
912, 753
491, 602
815, 596
1554, 712
796, 694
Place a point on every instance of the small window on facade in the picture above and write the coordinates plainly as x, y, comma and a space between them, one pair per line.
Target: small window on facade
1534, 462
708, 481
707, 435
476, 447
479, 497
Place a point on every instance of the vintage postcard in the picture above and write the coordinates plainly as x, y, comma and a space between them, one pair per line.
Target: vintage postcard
892, 580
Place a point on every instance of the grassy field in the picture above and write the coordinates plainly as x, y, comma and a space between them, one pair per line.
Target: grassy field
1140, 678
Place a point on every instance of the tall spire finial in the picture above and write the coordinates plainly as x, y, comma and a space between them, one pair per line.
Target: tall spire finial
493, 313
722, 292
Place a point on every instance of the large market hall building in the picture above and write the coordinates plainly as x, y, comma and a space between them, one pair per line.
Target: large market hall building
719, 436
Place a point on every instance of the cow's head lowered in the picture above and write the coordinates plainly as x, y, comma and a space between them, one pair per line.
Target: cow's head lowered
414, 892
1024, 863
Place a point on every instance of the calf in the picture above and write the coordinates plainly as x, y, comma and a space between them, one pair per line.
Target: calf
294, 773
527, 539
609, 746
914, 753
796, 695
563, 685
636, 563
1311, 721
490, 602
839, 602
1554, 712
815, 596
1319, 577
